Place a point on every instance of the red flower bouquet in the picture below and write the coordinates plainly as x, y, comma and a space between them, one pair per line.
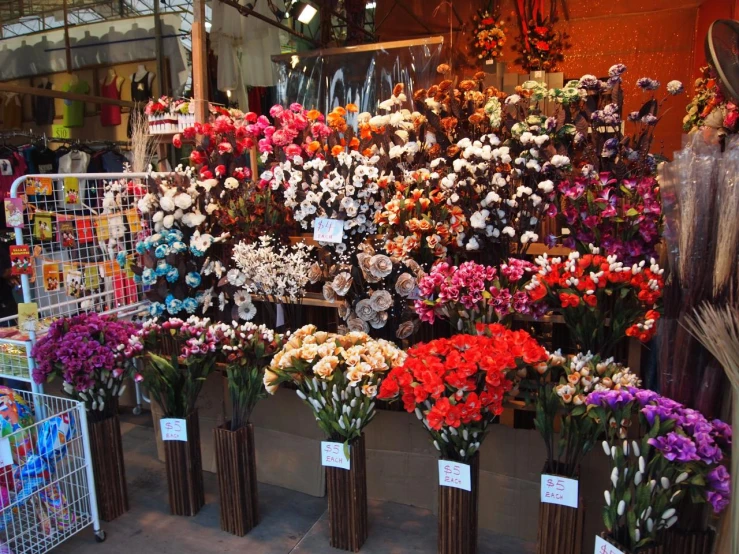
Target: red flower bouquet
456, 385
600, 298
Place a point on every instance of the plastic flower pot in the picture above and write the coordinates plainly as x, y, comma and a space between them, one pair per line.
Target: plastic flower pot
560, 527
347, 500
458, 514
108, 466
185, 471
236, 465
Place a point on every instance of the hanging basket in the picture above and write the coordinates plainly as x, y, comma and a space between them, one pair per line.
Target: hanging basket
236, 465
560, 527
458, 515
347, 500
185, 471
107, 464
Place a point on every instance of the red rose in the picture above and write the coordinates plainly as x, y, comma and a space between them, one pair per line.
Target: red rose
541, 31
487, 21
542, 45
389, 387
206, 173
177, 141
225, 148
250, 117
197, 157
189, 133
220, 170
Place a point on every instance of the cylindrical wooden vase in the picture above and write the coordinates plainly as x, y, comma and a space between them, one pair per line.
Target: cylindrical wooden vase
236, 465
560, 529
689, 542
185, 471
458, 515
108, 467
347, 500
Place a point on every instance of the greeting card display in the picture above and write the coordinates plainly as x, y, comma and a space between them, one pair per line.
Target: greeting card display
20, 260
51, 277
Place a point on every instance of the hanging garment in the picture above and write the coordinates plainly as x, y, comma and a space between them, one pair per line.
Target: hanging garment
260, 41
12, 111
72, 192
140, 93
225, 38
12, 166
43, 107
110, 115
74, 110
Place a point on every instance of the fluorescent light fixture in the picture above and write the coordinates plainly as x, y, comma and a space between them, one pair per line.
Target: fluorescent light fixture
228, 93
371, 5
208, 26
307, 14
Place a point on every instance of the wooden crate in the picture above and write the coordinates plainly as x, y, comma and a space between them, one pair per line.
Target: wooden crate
347, 500
458, 515
236, 464
108, 467
185, 471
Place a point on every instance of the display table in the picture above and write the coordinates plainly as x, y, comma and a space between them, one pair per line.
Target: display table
401, 461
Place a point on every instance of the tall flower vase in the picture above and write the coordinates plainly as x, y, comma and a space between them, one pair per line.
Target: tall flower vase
236, 465
108, 466
458, 514
185, 470
347, 500
560, 527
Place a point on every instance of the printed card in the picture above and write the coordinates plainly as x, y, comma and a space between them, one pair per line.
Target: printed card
51, 277
454, 474
28, 316
71, 190
21, 262
68, 234
335, 454
40, 186
84, 230
173, 429
134, 221
14, 212
42, 225
559, 490
73, 283
92, 277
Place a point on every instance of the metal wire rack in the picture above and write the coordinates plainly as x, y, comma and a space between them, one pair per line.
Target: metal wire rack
51, 487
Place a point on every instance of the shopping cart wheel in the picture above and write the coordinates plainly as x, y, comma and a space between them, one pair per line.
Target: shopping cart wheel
137, 410
100, 536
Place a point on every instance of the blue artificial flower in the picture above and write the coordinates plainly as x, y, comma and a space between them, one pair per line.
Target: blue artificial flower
174, 306
172, 275
174, 235
121, 259
137, 279
162, 268
190, 305
161, 251
197, 253
193, 279
178, 246
142, 246
149, 276
156, 309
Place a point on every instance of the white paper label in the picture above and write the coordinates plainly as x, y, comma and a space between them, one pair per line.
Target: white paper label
333, 455
6, 454
279, 316
489, 62
328, 230
454, 474
559, 490
173, 429
604, 547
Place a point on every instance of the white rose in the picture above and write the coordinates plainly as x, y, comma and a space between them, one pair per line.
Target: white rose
168, 221
183, 201
478, 219
166, 203
472, 244
231, 183
158, 217
546, 186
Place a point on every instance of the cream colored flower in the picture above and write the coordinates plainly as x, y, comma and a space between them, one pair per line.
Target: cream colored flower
326, 366
315, 273
379, 321
308, 352
405, 285
329, 293
381, 300
369, 390
405, 330
342, 283
380, 265
364, 310
356, 324
344, 311
270, 381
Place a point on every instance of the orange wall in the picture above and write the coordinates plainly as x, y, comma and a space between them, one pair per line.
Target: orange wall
653, 38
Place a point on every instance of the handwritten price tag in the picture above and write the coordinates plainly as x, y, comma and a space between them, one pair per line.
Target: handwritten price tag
334, 455
6, 455
559, 490
604, 547
454, 474
328, 230
173, 429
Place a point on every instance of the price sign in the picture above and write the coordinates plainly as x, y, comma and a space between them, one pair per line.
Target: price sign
328, 230
559, 490
173, 429
333, 454
604, 547
454, 474
60, 131
6, 454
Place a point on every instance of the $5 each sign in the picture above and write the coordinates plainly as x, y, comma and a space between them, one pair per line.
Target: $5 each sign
604, 547
454, 474
173, 429
559, 490
335, 454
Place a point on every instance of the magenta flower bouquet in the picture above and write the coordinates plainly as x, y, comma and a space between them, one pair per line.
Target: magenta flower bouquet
92, 354
677, 452
472, 293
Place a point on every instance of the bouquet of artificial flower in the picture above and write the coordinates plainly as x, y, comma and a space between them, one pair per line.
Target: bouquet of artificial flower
179, 355
336, 375
471, 293
93, 355
600, 298
564, 384
677, 452
456, 386
246, 350
489, 36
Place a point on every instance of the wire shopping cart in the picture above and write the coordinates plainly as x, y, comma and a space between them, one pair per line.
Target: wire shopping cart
48, 493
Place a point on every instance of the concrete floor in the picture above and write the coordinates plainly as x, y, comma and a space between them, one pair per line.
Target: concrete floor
291, 522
